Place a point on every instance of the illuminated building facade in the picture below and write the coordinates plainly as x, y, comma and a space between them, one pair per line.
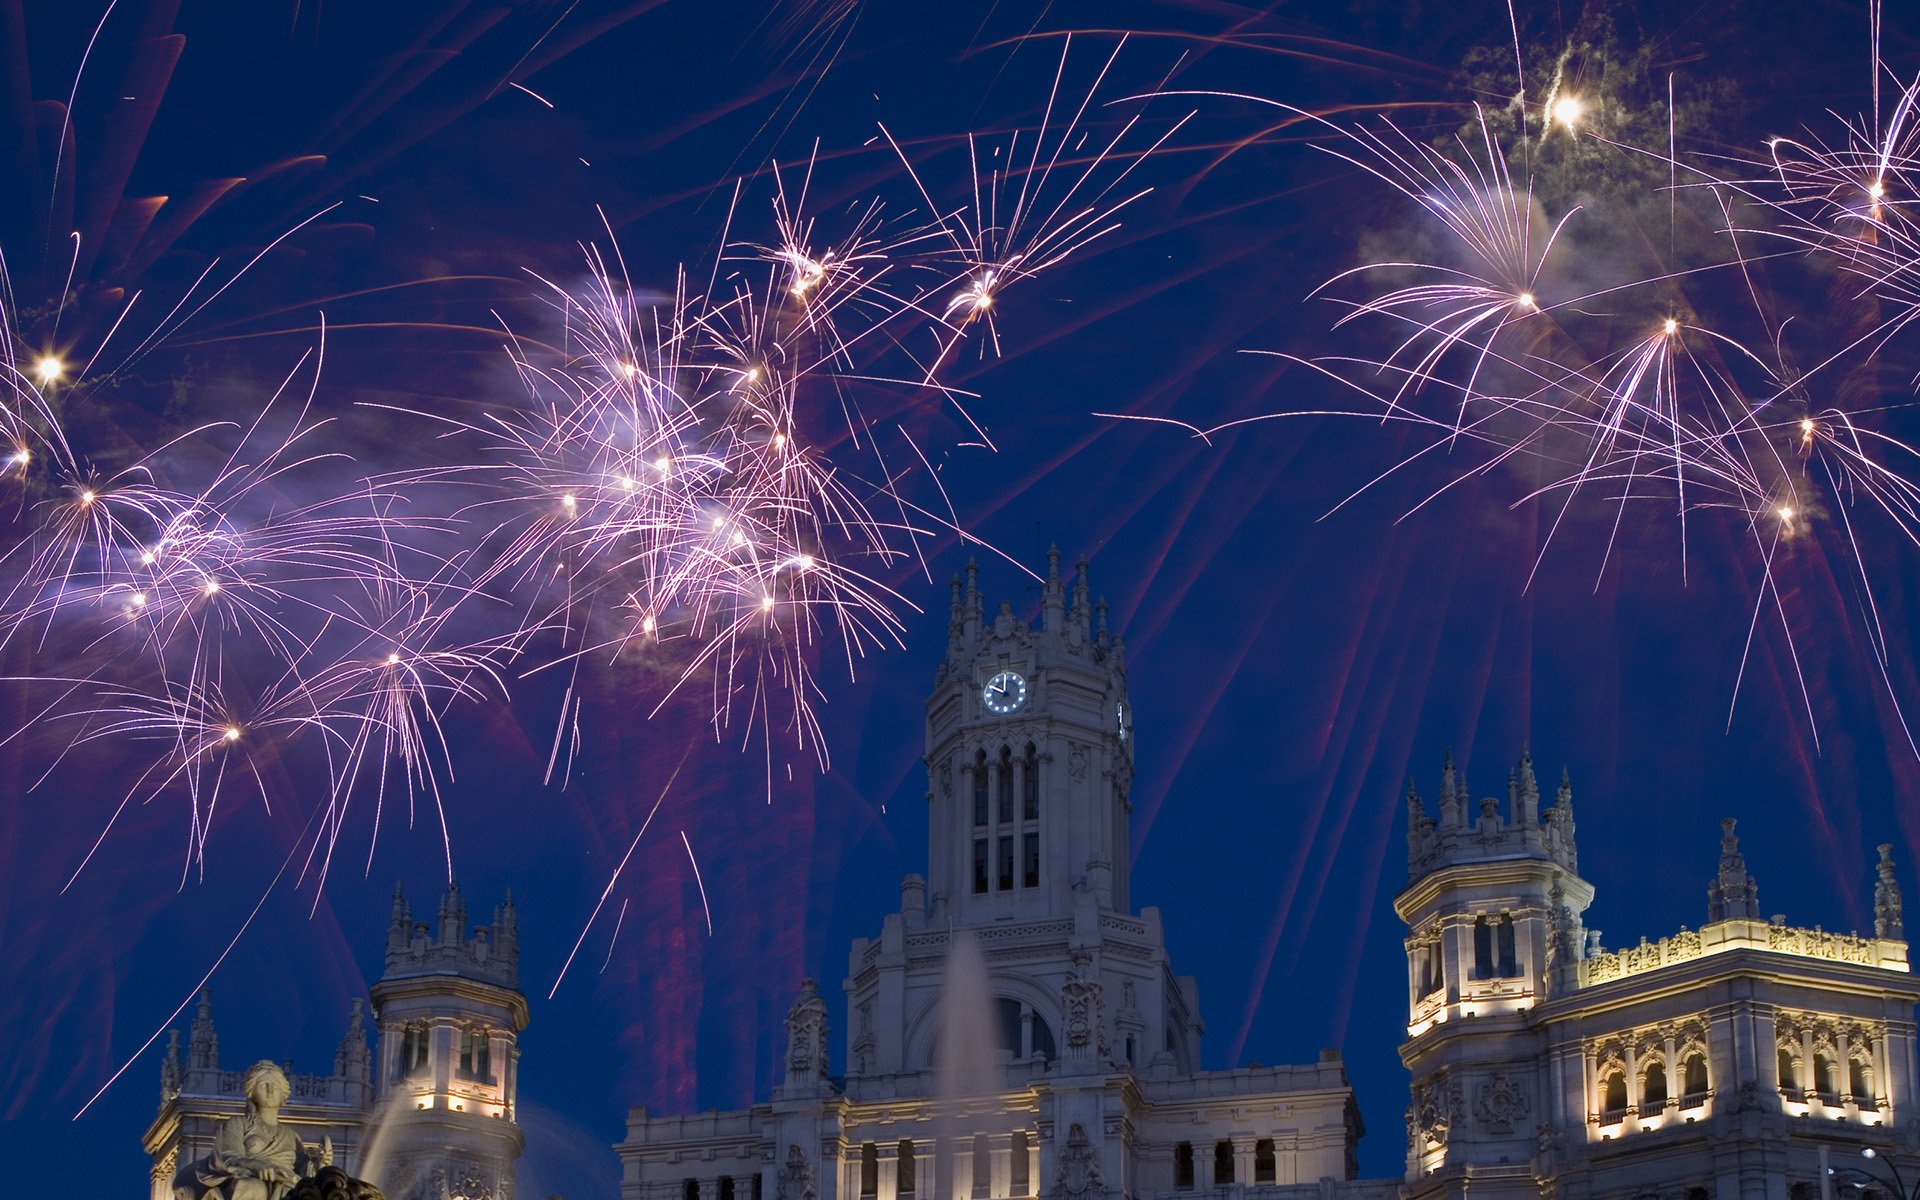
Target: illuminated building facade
1738, 1061
432, 1113
1016, 1030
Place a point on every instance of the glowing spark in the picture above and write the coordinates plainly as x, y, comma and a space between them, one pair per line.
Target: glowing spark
393, 660
1876, 189
766, 604
1524, 300
646, 624
233, 733
1670, 326
1568, 110
49, 370
213, 585
86, 497
569, 502
1786, 513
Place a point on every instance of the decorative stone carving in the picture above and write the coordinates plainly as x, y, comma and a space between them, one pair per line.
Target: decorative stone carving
1079, 1173
795, 1181
1436, 1109
1086, 1026
864, 1043
1503, 1103
1078, 756
807, 1033
946, 778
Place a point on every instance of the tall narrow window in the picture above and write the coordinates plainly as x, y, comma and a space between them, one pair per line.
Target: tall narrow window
754, 1190
1006, 785
1011, 1018
903, 1172
979, 866
1263, 1163
1030, 860
1509, 962
726, 1187
1693, 1076
1860, 1082
1006, 863
1653, 1090
1482, 948
980, 788
1613, 1096
1030, 787
982, 1166
690, 1189
1787, 1077
1183, 1166
1823, 1076
1019, 1184
869, 1169
1222, 1163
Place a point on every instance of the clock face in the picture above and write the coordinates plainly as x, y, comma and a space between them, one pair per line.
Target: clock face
1004, 692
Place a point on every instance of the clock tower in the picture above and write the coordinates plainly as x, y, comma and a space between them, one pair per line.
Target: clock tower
1029, 759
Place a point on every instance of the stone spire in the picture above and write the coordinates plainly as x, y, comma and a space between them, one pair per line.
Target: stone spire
453, 914
352, 1059
1523, 792
1734, 895
1560, 825
1082, 614
1452, 805
956, 624
170, 1068
400, 931
1054, 600
1100, 633
1419, 828
203, 1048
506, 930
1886, 899
971, 615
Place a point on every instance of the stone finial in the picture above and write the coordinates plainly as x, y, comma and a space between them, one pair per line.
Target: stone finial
1524, 791
400, 931
974, 613
170, 1068
352, 1060
807, 1037
1055, 598
1451, 802
1100, 632
1560, 825
1734, 895
956, 623
1886, 899
203, 1045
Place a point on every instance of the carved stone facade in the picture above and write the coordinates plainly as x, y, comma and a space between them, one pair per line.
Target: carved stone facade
1081, 1044
440, 1081
1721, 1062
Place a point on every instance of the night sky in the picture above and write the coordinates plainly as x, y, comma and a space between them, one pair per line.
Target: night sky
1293, 661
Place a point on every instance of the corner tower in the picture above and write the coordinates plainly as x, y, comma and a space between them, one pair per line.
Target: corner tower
1030, 758
450, 1013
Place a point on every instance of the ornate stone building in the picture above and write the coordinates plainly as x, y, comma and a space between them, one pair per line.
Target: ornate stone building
1016, 1029
1738, 1061
431, 1116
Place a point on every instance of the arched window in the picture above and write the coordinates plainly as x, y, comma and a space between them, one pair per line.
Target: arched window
1509, 964
1860, 1082
1222, 1163
1019, 1181
1183, 1166
1693, 1081
980, 789
1482, 948
1823, 1078
1263, 1161
869, 1169
1613, 1096
1788, 1080
1030, 789
1653, 1089
903, 1171
1043, 1038
1005, 789
1010, 1013
982, 1165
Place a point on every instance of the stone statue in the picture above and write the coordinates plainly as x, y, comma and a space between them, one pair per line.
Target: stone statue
258, 1158
795, 1182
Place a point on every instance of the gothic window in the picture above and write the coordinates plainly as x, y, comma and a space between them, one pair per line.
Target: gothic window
1482, 948
1509, 965
1653, 1088
1613, 1096
1030, 860
1030, 789
1693, 1080
980, 788
869, 1169
1006, 863
979, 866
1788, 1080
1222, 1163
982, 1165
903, 1171
726, 1187
1021, 1183
1005, 789
1860, 1082
1183, 1166
690, 1189
1263, 1163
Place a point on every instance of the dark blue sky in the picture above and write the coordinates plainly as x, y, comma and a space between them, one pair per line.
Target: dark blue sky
1289, 668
